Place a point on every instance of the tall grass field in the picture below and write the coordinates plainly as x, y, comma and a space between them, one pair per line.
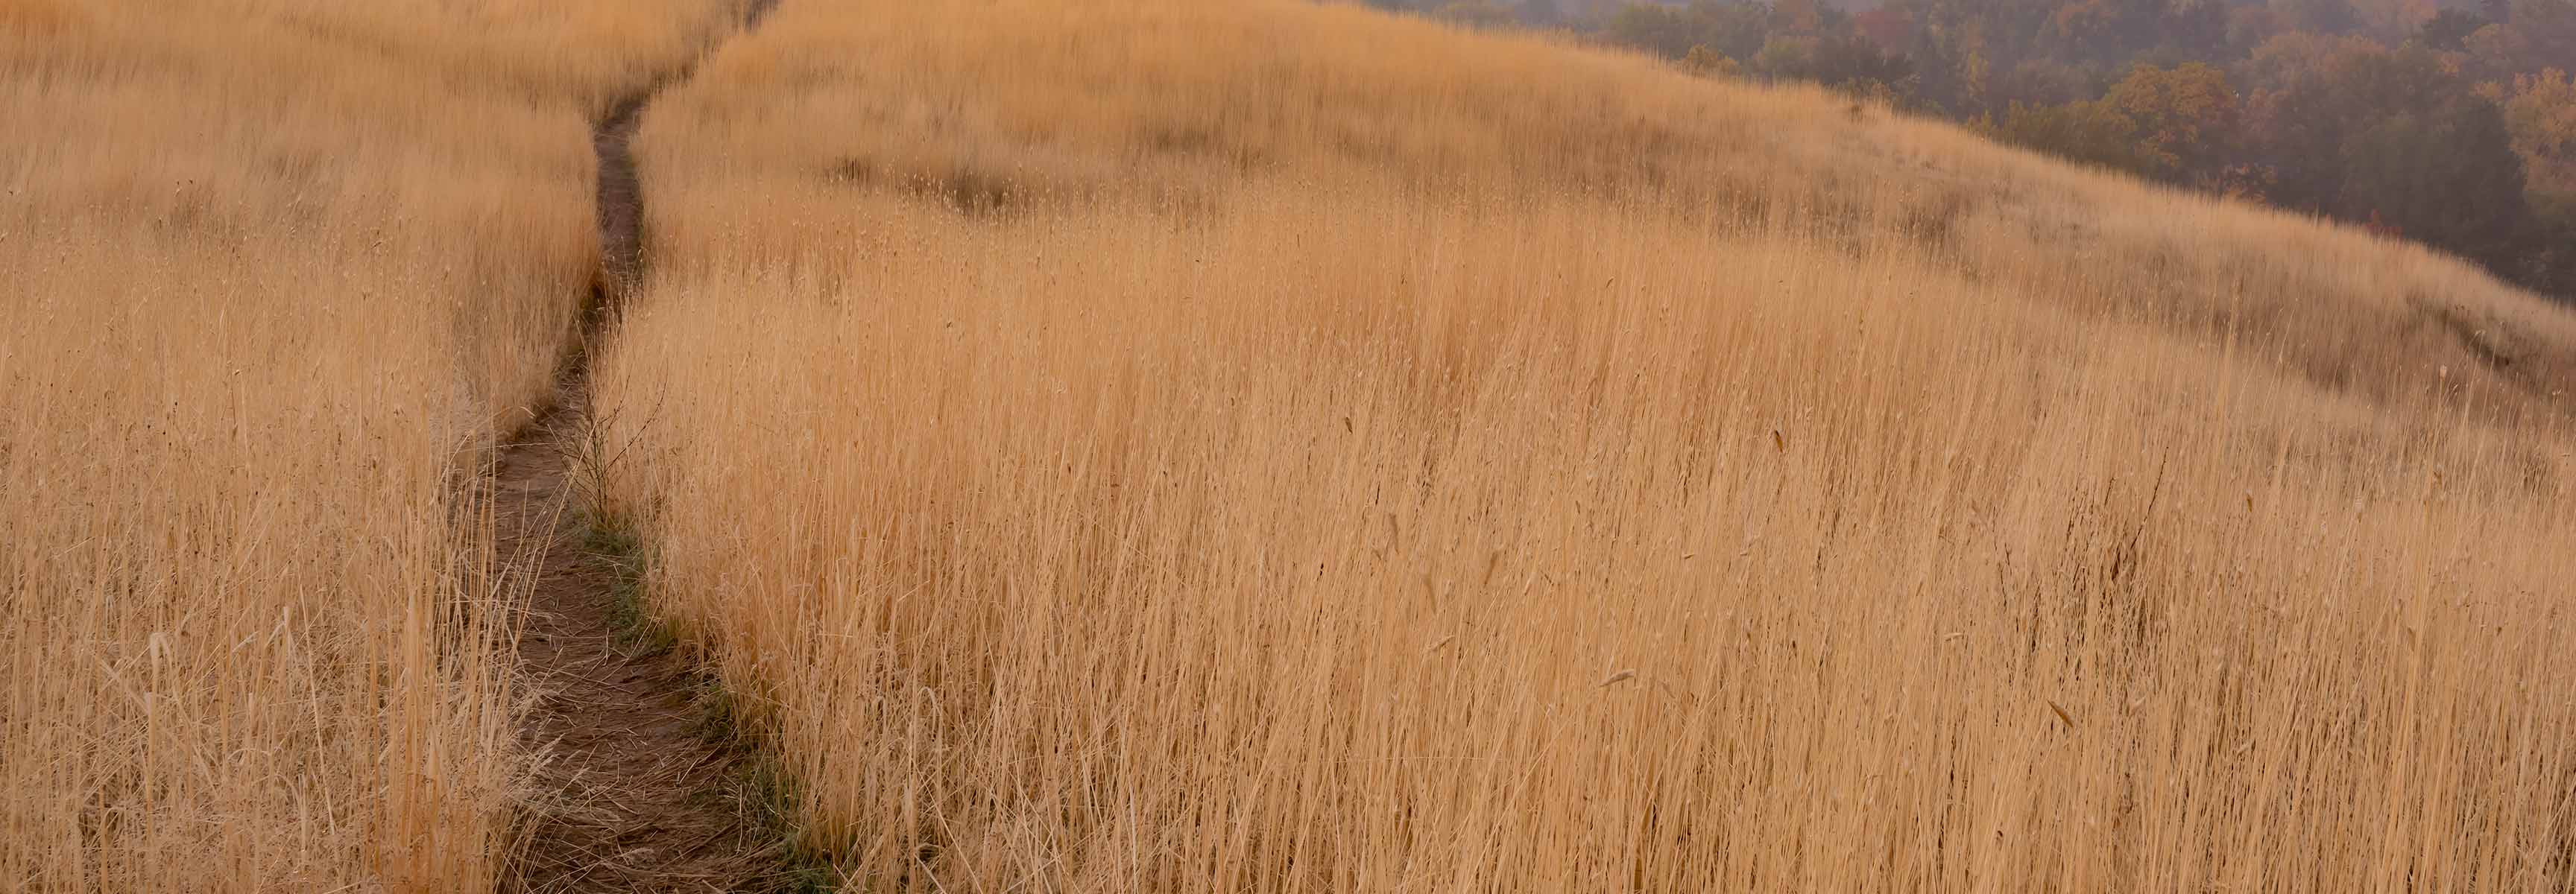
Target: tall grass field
1241, 446
1278, 447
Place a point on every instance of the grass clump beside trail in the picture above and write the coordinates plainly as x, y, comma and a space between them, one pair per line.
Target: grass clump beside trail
760, 786
1278, 447
279, 273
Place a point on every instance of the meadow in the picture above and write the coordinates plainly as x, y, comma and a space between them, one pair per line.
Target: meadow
280, 272
1277, 447
1262, 446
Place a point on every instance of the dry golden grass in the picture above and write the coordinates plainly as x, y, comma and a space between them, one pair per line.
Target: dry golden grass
1269, 447
278, 271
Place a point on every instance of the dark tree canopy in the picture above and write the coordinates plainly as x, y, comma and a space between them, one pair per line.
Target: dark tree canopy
2438, 119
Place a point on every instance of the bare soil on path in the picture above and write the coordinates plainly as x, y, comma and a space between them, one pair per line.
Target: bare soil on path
635, 793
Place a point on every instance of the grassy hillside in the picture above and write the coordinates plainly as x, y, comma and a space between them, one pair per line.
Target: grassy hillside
278, 270
1265, 446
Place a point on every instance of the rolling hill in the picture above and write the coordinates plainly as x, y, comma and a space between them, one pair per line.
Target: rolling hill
1125, 445
1268, 446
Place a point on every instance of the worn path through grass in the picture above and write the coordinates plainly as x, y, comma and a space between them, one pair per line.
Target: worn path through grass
636, 791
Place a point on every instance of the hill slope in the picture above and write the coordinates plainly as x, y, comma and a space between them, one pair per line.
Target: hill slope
1264, 446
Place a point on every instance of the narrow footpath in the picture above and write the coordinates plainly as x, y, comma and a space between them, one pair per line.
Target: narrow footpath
633, 794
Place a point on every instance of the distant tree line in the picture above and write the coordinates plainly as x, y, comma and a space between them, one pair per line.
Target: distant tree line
2452, 122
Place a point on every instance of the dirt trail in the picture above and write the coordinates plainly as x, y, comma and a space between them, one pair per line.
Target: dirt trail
635, 796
